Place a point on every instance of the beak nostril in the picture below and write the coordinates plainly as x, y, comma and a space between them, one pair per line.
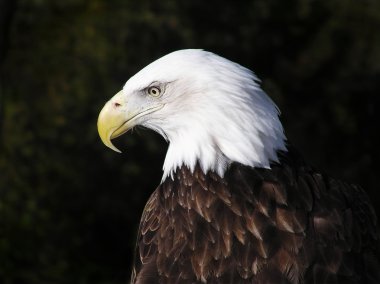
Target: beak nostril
116, 104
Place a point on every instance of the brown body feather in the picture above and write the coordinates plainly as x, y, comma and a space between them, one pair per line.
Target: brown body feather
289, 224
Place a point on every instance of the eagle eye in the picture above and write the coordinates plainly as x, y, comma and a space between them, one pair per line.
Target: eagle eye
154, 91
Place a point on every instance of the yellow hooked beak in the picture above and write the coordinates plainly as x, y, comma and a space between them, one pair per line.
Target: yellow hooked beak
113, 121
116, 118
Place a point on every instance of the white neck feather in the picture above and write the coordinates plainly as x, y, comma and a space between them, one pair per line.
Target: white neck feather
233, 121
214, 113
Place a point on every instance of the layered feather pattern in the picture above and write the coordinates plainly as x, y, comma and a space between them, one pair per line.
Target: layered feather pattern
289, 224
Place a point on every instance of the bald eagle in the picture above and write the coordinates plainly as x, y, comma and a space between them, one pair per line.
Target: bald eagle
236, 203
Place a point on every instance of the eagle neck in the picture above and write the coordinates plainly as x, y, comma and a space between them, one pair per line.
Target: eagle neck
214, 146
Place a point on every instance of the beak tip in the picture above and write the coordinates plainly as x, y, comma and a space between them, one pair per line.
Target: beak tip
112, 147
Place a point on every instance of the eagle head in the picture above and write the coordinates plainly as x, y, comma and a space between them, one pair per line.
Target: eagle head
211, 111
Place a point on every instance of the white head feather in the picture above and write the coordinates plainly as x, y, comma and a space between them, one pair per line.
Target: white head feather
214, 112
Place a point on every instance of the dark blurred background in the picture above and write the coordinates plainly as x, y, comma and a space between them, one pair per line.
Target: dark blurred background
69, 207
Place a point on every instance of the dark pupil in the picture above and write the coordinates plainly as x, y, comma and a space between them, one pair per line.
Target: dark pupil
154, 91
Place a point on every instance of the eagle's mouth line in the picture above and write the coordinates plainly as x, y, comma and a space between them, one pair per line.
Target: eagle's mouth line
123, 128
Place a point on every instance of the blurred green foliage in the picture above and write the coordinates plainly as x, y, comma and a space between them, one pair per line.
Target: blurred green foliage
69, 207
